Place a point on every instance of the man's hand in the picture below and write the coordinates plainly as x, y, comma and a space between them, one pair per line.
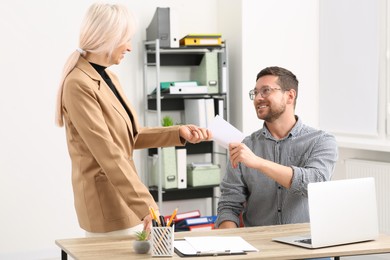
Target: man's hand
240, 153
194, 134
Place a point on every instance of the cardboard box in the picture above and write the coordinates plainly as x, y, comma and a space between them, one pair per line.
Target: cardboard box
203, 175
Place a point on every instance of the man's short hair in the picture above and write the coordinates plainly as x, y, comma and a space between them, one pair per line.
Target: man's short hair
286, 79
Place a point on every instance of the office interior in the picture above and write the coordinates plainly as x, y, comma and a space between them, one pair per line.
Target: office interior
37, 37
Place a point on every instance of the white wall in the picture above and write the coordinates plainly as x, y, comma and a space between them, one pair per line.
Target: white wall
271, 33
281, 33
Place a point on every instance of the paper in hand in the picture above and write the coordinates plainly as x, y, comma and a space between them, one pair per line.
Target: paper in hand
224, 133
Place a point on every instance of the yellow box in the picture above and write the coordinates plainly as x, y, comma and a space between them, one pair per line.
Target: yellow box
201, 40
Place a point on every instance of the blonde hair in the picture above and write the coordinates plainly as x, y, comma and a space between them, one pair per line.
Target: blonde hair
105, 27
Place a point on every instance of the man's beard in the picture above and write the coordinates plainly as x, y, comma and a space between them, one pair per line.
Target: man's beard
274, 113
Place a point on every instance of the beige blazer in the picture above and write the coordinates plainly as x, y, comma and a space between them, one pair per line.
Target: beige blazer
108, 193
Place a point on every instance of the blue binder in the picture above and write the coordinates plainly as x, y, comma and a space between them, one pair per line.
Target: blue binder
197, 221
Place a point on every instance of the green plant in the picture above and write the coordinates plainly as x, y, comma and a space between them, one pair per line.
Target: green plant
142, 235
167, 121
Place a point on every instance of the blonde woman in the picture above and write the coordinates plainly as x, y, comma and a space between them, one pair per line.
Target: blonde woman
102, 128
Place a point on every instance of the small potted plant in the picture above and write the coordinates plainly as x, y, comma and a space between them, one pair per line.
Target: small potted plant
167, 121
141, 245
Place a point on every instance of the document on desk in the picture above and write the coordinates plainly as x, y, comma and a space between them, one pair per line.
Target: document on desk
224, 133
212, 245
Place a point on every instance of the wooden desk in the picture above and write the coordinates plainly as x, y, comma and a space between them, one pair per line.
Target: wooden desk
260, 237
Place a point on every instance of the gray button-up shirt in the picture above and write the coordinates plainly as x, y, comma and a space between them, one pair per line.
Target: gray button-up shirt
311, 154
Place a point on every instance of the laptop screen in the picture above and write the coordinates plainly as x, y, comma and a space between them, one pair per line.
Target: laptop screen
342, 211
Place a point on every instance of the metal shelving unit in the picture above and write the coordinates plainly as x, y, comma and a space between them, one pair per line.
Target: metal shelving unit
155, 57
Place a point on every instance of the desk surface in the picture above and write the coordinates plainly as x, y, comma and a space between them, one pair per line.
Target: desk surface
259, 237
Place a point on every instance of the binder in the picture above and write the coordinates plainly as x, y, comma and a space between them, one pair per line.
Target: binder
222, 73
165, 85
164, 26
188, 90
200, 112
184, 215
219, 108
197, 221
201, 227
210, 111
201, 40
207, 72
168, 171
195, 112
181, 160
174, 28
181, 87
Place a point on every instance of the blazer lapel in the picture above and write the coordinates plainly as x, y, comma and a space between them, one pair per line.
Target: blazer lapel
134, 124
117, 105
110, 96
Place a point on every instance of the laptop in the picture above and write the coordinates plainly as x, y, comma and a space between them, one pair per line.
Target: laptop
341, 212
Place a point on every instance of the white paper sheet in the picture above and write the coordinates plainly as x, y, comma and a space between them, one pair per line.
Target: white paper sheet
224, 133
185, 248
220, 244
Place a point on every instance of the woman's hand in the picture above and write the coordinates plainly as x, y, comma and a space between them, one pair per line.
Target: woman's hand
148, 223
148, 220
194, 134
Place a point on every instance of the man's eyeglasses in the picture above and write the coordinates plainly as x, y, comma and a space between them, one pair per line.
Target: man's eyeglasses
264, 92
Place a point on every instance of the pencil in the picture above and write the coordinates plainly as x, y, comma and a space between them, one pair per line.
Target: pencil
154, 216
172, 218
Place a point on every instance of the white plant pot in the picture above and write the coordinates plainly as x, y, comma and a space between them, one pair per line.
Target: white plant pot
141, 247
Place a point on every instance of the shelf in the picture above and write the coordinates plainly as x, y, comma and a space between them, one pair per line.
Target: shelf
187, 49
199, 192
176, 59
174, 102
183, 56
199, 148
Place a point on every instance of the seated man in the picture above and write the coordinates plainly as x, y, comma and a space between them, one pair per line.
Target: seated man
267, 177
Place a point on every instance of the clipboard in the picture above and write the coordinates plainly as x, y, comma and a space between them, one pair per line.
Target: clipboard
212, 246
182, 248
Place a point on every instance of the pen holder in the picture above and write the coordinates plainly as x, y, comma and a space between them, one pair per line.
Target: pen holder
162, 241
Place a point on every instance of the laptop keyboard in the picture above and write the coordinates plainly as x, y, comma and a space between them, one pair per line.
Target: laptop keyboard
306, 241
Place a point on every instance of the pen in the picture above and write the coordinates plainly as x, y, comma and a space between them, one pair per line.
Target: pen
172, 218
154, 223
162, 221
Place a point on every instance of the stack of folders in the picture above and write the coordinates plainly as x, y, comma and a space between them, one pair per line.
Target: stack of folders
197, 224
192, 221
182, 87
